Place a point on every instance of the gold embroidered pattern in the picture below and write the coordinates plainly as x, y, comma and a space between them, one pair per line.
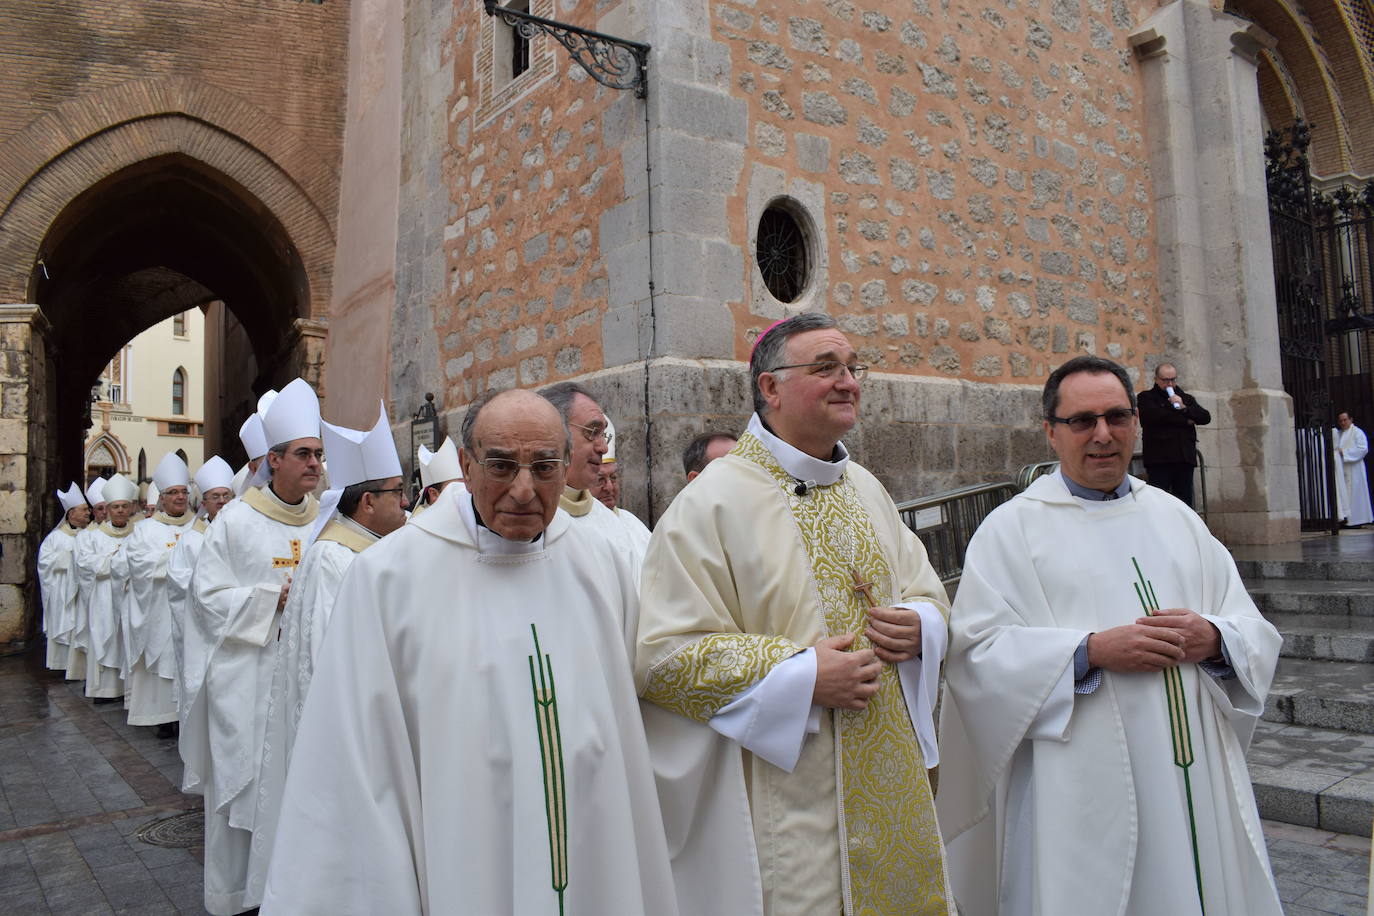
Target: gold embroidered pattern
888, 831
703, 677
292, 561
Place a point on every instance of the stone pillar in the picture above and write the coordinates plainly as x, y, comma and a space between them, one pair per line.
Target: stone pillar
25, 459
308, 359
1216, 277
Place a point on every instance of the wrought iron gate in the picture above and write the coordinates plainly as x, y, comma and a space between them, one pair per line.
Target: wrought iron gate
1302, 320
1323, 244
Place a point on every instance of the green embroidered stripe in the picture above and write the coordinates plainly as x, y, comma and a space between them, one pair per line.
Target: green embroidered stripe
551, 758
702, 678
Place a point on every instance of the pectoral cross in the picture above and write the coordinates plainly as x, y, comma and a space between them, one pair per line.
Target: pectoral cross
289, 562
175, 538
862, 587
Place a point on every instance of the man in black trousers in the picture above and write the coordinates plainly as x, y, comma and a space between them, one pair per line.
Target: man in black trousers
1168, 416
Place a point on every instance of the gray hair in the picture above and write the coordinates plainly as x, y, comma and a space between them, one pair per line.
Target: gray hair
482, 400
562, 395
1094, 365
280, 451
769, 350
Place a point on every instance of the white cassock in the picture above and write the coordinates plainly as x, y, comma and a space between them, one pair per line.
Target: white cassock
57, 586
588, 513
636, 531
231, 623
471, 741
1352, 484
103, 576
79, 636
149, 655
303, 622
1057, 802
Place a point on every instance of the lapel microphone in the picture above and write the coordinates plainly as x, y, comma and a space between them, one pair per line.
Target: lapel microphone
802, 486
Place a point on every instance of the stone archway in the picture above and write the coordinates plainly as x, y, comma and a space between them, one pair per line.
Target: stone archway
133, 224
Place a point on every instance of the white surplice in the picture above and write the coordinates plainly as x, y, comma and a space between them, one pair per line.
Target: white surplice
57, 587
103, 575
303, 622
150, 657
425, 779
637, 532
1054, 802
1352, 483
231, 623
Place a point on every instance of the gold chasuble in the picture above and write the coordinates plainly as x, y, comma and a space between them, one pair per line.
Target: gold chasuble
860, 789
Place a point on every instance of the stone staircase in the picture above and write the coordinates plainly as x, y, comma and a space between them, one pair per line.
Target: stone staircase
1312, 758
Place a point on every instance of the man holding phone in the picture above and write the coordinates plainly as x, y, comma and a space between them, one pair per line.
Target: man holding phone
1168, 415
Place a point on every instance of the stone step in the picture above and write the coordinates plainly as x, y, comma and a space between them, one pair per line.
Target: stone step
1323, 694
1350, 570
1334, 598
1326, 637
1313, 777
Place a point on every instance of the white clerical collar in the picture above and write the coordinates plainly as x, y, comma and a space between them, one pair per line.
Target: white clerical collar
488, 541
1085, 493
797, 463
356, 528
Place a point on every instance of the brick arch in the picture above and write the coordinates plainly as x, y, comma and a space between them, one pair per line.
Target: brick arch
32, 210
73, 123
1279, 96
1347, 65
1302, 52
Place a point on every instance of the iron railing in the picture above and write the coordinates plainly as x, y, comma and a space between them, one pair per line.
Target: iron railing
946, 521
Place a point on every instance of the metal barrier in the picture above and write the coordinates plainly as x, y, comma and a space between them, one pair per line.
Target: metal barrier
946, 521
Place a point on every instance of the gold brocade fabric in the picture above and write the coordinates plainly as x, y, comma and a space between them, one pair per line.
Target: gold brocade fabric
891, 858
109, 528
703, 677
576, 503
186, 518
341, 534
278, 511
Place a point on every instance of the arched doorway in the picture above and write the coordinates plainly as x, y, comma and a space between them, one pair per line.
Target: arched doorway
148, 241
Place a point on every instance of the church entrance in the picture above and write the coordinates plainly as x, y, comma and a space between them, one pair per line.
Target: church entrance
1323, 246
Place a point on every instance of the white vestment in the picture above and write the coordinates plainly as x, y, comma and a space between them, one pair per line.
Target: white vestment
637, 532
303, 622
57, 586
180, 566
103, 575
1352, 484
588, 513
231, 622
471, 742
149, 655
753, 794
1056, 802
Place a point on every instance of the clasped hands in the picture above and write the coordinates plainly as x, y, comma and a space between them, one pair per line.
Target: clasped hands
1173, 636
844, 679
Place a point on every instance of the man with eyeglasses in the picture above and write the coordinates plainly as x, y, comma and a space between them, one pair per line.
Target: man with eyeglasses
591, 437
1105, 673
1169, 417
472, 741
789, 649
241, 582
365, 502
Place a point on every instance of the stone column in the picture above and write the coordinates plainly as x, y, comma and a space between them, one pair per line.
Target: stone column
1216, 277
26, 460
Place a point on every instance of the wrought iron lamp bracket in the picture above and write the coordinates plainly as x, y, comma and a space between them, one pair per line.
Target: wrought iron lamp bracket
615, 62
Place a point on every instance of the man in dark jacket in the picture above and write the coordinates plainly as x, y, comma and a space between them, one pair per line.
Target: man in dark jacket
1167, 417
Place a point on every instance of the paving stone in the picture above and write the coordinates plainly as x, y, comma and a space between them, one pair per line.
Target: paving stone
62, 877
1348, 806
83, 897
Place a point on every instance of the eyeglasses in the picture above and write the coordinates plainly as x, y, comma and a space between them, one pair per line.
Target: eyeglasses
1083, 422
592, 433
828, 368
387, 490
545, 469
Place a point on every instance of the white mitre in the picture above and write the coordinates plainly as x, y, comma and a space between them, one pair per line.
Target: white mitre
355, 456
71, 497
119, 488
253, 438
171, 472
153, 493
440, 466
293, 414
609, 457
95, 493
213, 474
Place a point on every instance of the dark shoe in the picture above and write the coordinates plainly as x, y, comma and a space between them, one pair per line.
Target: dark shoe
167, 730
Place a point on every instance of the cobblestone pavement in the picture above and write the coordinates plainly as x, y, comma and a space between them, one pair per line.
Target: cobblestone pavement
78, 786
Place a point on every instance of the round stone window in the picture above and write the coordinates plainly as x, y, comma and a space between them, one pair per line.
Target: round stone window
780, 251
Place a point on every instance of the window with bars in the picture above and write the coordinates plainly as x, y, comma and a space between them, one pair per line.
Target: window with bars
179, 324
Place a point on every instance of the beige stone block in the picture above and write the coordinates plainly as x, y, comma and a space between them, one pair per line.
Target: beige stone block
13, 614
14, 437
